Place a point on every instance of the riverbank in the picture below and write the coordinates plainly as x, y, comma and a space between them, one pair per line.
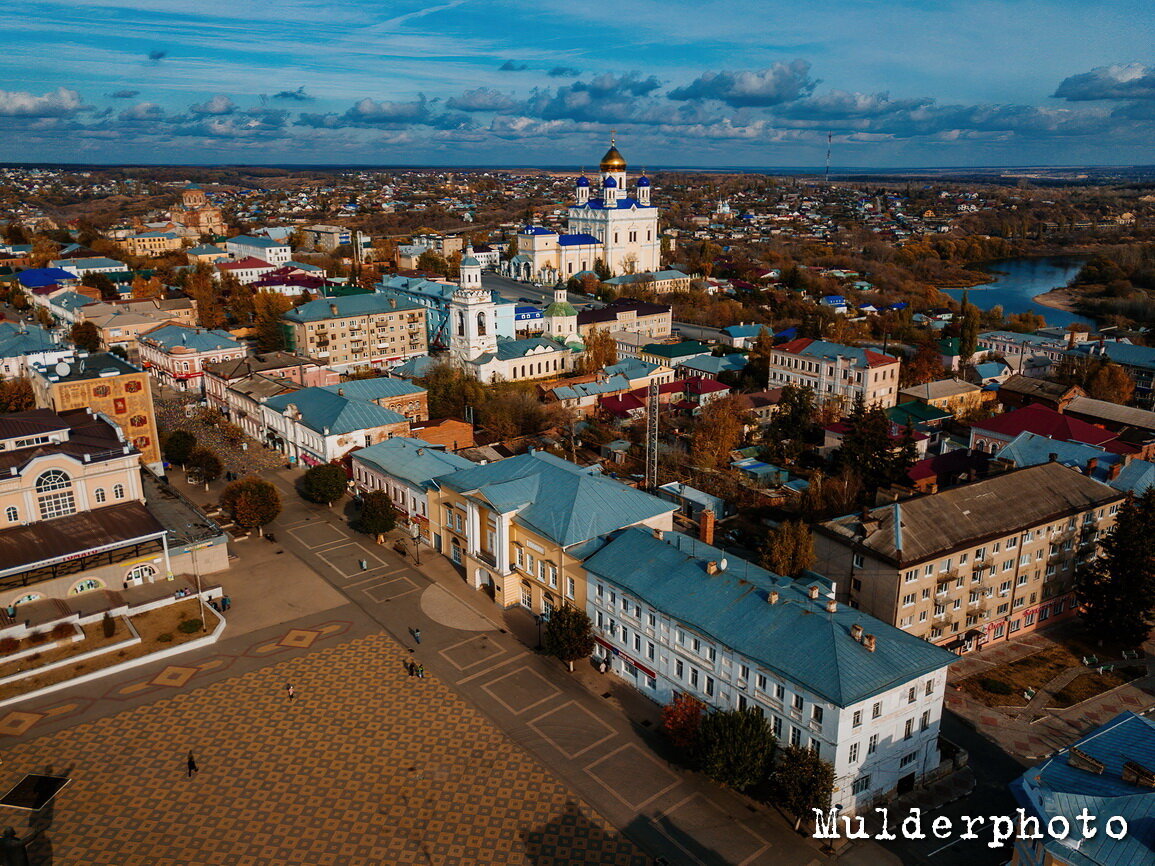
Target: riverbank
1065, 299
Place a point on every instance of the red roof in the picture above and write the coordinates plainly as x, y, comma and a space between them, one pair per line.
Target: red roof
1045, 421
245, 264
621, 404
873, 359
705, 385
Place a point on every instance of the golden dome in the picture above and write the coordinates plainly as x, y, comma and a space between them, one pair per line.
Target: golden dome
613, 160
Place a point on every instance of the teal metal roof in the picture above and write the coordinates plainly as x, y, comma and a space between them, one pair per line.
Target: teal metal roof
376, 389
348, 305
1135, 477
509, 350
16, 340
796, 638
1057, 787
560, 500
171, 336
412, 460
612, 385
205, 250
329, 414
631, 368
712, 365
684, 349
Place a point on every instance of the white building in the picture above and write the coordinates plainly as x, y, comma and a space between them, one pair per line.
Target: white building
836, 373
276, 253
98, 265
673, 616
606, 224
404, 468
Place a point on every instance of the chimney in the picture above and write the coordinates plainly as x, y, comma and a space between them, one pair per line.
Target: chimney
831, 606
658, 534
1070, 339
712, 567
1092, 465
1052, 457
706, 527
340, 392
856, 632
868, 642
333, 309
814, 592
772, 597
1113, 471
393, 303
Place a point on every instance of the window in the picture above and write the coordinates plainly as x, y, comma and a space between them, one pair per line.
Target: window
907, 760
910, 695
100, 494
744, 672
694, 677
795, 736
761, 681
570, 587
872, 744
908, 599
650, 651
861, 785
797, 702
777, 726
929, 687
779, 691
857, 561
853, 753
856, 719
876, 710
908, 729
924, 722
11, 514
679, 670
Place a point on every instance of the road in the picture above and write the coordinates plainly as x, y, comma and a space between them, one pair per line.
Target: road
513, 290
697, 332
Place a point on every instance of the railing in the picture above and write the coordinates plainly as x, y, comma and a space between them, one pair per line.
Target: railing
488, 558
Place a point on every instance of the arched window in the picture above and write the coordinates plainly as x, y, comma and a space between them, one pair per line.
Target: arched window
140, 573
55, 489
86, 586
461, 323
100, 494
11, 514
481, 324
118, 491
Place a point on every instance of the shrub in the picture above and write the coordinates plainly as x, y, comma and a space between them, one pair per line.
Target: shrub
165, 638
9, 645
995, 687
189, 626
62, 631
108, 625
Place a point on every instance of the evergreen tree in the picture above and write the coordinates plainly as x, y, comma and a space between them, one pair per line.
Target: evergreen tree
791, 425
868, 448
1117, 589
178, 446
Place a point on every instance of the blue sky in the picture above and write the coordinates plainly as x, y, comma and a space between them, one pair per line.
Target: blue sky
494, 82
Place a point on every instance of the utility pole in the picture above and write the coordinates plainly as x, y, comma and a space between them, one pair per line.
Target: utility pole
652, 437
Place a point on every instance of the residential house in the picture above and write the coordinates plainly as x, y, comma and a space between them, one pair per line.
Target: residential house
82, 267
1138, 361
658, 282
24, 345
357, 330
675, 616
991, 434
1023, 353
627, 315
975, 564
836, 373
949, 395
1018, 391
303, 372
175, 354
743, 336
405, 469
319, 425
276, 253
672, 354
246, 271
208, 254
152, 243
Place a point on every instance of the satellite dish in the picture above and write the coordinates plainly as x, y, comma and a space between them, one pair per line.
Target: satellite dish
63, 369
722, 563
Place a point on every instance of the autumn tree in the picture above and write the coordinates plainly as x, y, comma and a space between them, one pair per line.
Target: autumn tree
601, 351
85, 335
451, 389
102, 283
378, 515
204, 465
789, 548
150, 288
801, 782
433, 261
569, 634
16, 395
202, 288
735, 747
268, 308
251, 502
681, 719
925, 366
717, 431
324, 484
44, 251
1109, 381
178, 445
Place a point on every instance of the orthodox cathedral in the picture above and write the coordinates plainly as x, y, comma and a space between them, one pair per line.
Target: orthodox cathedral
605, 223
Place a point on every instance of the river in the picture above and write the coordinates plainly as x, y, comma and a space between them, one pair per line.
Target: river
1019, 280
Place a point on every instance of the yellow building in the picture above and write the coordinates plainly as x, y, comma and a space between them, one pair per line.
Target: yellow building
949, 395
357, 331
103, 383
151, 243
522, 526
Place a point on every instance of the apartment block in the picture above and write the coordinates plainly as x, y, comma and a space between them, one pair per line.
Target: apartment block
836, 373
358, 331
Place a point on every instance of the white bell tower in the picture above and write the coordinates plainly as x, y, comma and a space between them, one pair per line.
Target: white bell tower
472, 322
470, 270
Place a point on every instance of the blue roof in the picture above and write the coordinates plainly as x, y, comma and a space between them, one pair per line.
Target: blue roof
1031, 449
631, 368
592, 389
796, 638
328, 413
171, 336
1135, 477
411, 460
89, 264
610, 183
560, 500
205, 250
625, 202
752, 330
712, 365
643, 181
508, 350
72, 301
579, 238
1057, 787
990, 369
1122, 353
536, 230
834, 301
381, 388
583, 181
35, 278
251, 241
415, 367
348, 305
17, 339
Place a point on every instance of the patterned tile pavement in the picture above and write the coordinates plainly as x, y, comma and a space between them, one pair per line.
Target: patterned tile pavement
365, 766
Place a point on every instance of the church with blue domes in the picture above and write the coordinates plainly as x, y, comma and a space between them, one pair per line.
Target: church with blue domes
607, 221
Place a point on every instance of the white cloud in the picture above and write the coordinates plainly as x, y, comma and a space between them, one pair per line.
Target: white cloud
56, 103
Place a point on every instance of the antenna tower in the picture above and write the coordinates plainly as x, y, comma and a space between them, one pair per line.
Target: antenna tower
652, 437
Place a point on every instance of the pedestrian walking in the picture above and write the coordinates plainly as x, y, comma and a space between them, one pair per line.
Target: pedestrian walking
411, 668
193, 769
227, 602
292, 692
421, 672
417, 635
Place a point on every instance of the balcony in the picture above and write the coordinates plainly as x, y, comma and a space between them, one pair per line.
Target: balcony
488, 558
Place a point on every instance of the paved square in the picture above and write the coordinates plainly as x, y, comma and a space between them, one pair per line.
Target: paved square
347, 559
710, 828
315, 535
626, 783
572, 729
365, 766
521, 689
393, 588
472, 652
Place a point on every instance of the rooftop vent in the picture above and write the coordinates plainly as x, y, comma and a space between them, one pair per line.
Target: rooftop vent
1137, 774
772, 597
814, 592
856, 632
869, 641
831, 606
658, 534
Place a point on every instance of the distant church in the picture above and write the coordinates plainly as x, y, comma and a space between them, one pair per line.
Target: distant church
606, 223
195, 216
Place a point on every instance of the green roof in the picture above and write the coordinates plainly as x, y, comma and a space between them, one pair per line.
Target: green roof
329, 414
560, 308
348, 305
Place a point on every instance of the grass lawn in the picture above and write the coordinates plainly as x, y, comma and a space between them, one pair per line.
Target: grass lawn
1087, 686
158, 629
